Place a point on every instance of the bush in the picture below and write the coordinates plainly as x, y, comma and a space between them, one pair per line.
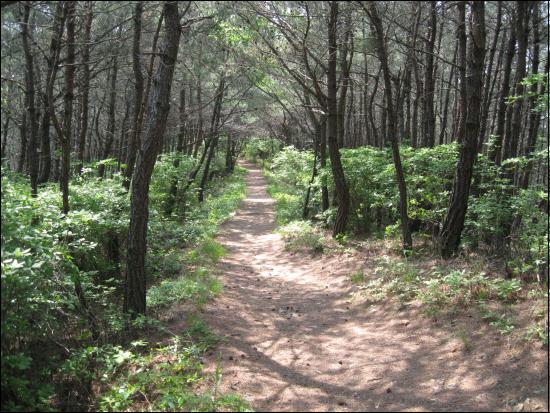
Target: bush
302, 235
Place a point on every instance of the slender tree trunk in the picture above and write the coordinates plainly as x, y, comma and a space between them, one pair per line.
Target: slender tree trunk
214, 136
23, 134
442, 133
522, 30
487, 81
5, 136
325, 204
429, 83
400, 176
155, 125
341, 186
495, 151
173, 192
85, 85
30, 100
111, 126
461, 34
135, 135
454, 221
345, 67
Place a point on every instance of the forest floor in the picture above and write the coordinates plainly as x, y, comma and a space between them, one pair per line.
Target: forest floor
295, 340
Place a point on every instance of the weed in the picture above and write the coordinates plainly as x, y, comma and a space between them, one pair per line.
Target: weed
302, 235
357, 278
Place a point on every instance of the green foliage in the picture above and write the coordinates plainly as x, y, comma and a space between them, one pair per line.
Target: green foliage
163, 378
261, 149
302, 235
288, 178
493, 205
47, 257
357, 277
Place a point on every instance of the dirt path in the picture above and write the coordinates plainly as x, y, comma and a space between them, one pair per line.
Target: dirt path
295, 342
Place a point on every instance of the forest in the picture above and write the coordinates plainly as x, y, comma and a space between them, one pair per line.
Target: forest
274, 205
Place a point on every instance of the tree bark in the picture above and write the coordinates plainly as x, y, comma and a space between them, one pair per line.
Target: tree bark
522, 30
495, 151
400, 176
30, 98
429, 83
214, 136
341, 186
111, 126
85, 85
138, 95
454, 221
157, 112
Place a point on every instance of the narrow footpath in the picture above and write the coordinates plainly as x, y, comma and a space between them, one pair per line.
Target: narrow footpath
295, 341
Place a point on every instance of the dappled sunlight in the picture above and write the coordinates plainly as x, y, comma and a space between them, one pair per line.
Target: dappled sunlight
297, 341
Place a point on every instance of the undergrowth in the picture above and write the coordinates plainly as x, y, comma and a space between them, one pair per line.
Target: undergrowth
442, 289
52, 357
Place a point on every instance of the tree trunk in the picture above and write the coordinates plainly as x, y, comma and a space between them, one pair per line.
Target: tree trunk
400, 177
214, 137
30, 101
522, 30
487, 81
85, 85
461, 34
158, 107
454, 221
111, 126
134, 141
429, 83
495, 150
341, 186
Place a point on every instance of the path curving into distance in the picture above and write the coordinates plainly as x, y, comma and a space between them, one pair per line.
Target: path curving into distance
296, 342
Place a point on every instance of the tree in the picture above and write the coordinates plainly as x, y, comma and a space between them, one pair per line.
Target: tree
454, 221
155, 125
340, 184
392, 132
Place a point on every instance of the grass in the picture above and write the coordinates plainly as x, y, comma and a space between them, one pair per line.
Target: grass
302, 235
156, 376
443, 289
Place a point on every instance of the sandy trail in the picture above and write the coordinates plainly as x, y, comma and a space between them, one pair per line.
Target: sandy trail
294, 341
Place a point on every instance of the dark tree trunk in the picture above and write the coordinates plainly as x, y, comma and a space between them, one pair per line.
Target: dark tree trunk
400, 176
487, 81
495, 151
138, 95
522, 30
454, 221
45, 153
5, 136
23, 134
345, 68
534, 114
85, 85
443, 131
111, 126
155, 125
30, 99
325, 204
68, 107
429, 83
214, 137
461, 34
173, 192
341, 186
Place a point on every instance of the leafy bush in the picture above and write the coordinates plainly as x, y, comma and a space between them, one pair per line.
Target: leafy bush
493, 206
261, 148
62, 275
302, 235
